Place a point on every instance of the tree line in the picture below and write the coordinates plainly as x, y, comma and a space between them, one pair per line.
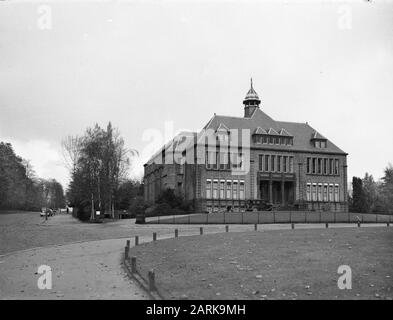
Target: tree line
370, 196
98, 162
21, 189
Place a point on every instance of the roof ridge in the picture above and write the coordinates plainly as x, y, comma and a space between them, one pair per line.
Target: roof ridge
220, 115
292, 122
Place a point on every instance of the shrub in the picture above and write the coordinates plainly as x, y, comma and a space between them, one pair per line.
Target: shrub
138, 205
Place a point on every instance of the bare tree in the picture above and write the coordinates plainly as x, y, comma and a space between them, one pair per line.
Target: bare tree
71, 149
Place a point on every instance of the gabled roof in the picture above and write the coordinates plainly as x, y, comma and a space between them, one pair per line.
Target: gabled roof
179, 143
317, 135
222, 127
260, 130
302, 132
272, 131
284, 132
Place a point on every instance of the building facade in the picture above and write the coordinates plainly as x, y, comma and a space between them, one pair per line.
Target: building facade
251, 162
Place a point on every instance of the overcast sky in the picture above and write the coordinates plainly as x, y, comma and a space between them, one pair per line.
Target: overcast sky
139, 64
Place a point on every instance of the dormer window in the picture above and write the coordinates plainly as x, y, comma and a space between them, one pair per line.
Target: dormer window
222, 137
271, 136
222, 133
320, 144
318, 140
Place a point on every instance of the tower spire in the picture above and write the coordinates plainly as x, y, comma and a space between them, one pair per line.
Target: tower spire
251, 101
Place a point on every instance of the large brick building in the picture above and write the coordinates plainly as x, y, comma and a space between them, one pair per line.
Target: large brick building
252, 161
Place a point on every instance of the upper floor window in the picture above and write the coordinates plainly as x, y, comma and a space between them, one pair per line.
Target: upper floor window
224, 161
261, 162
320, 143
336, 166
291, 164
267, 162
237, 161
272, 163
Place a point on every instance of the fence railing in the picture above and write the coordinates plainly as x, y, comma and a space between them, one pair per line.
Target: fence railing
266, 217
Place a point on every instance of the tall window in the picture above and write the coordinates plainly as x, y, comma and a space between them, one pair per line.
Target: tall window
279, 163
319, 166
237, 160
215, 189
285, 165
241, 190
314, 192
224, 163
272, 163
261, 162
266, 162
320, 192
234, 193
271, 140
325, 192
313, 165
336, 193
208, 189
308, 165
325, 166
216, 156
265, 139
330, 166
308, 192
291, 164
336, 166
229, 189
222, 189
331, 193
277, 140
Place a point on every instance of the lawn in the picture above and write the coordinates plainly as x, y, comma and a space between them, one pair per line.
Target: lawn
285, 264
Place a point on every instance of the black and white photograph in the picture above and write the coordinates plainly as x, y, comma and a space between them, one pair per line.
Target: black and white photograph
196, 156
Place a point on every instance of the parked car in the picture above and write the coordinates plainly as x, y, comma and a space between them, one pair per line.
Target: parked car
46, 211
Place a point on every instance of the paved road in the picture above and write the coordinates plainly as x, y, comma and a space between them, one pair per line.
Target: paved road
89, 269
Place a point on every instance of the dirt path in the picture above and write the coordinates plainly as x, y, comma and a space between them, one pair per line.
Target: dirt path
90, 270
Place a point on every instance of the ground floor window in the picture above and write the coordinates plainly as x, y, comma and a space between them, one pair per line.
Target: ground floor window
229, 189
308, 191
208, 188
323, 192
331, 193
336, 193
314, 192
222, 189
241, 190
234, 193
320, 192
215, 189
